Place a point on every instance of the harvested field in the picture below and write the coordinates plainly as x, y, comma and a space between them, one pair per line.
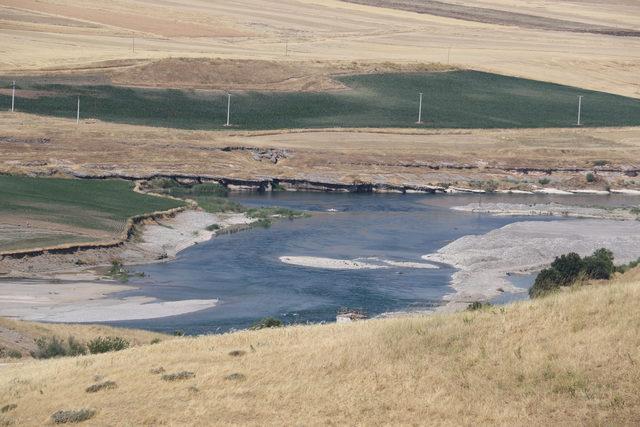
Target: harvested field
42, 212
498, 16
457, 99
330, 30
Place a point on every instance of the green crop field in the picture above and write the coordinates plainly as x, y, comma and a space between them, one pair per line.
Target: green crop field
459, 99
47, 211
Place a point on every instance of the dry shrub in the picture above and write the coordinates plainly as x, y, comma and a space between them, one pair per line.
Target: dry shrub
235, 377
9, 407
77, 416
176, 376
107, 385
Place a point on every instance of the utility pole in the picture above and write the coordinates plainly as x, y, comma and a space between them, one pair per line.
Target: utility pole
133, 43
286, 48
449, 56
579, 110
420, 111
78, 113
13, 97
228, 110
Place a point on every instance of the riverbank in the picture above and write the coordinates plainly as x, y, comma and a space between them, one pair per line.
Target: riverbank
77, 288
485, 261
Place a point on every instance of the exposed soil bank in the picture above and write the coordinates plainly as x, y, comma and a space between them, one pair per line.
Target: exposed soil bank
61, 288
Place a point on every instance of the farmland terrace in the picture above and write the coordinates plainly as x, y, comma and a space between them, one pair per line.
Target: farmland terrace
453, 99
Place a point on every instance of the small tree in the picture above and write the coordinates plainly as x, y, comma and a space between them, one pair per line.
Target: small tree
547, 280
568, 268
599, 265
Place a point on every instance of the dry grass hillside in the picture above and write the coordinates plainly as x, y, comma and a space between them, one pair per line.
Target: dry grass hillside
572, 358
20, 336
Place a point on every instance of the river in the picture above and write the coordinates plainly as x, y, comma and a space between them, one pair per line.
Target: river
243, 270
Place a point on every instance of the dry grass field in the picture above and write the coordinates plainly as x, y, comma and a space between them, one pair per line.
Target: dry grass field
568, 358
68, 34
21, 335
418, 158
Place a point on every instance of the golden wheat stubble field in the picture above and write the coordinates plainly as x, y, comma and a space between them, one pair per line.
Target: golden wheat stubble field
569, 359
69, 34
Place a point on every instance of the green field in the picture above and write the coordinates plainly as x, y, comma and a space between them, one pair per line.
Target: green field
459, 99
52, 211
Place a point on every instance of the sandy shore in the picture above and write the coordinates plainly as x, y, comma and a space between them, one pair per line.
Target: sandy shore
84, 301
61, 288
548, 209
354, 264
484, 261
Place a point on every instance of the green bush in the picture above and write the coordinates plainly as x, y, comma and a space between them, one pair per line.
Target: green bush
50, 347
591, 177
544, 181
106, 344
567, 269
213, 227
267, 322
600, 265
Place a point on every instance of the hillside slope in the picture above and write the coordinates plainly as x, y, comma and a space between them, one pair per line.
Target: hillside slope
569, 358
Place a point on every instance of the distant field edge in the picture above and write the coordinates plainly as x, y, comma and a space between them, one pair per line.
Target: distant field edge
66, 248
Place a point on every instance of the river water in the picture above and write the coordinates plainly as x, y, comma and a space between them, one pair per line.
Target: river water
244, 273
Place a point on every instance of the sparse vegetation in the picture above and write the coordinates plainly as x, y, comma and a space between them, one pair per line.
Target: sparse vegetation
213, 227
7, 408
177, 376
10, 353
544, 181
590, 177
236, 376
117, 271
107, 385
50, 347
106, 344
267, 322
479, 305
73, 416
